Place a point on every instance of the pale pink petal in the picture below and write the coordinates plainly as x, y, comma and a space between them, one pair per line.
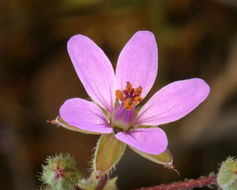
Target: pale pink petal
84, 115
173, 102
94, 70
149, 140
138, 62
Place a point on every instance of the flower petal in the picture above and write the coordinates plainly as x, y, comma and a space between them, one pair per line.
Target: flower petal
149, 140
94, 70
173, 102
138, 62
60, 122
84, 115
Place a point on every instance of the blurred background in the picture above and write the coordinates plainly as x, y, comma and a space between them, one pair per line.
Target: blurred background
195, 39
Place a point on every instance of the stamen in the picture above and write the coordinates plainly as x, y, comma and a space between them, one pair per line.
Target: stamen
138, 91
126, 104
129, 87
138, 99
129, 97
119, 95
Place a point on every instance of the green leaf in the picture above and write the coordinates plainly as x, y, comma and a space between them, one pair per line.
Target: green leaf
61, 122
108, 152
165, 158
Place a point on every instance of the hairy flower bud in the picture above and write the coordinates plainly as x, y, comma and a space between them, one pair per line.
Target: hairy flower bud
60, 172
227, 175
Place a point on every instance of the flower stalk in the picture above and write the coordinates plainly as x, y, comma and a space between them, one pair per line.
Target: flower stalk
102, 182
183, 185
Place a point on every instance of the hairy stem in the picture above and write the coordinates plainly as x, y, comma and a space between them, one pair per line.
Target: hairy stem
182, 185
102, 182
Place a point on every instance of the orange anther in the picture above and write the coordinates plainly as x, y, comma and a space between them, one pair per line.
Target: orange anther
138, 91
130, 103
119, 95
129, 97
126, 103
129, 87
139, 98
136, 100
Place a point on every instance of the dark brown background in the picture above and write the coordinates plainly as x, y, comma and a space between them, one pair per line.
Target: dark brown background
195, 39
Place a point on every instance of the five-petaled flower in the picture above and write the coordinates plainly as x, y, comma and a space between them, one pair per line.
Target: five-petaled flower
115, 95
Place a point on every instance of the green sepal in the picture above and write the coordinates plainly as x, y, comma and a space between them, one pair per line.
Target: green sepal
165, 158
108, 152
61, 122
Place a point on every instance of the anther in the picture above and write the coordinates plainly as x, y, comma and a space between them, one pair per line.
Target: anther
129, 97
127, 104
138, 91
119, 95
129, 87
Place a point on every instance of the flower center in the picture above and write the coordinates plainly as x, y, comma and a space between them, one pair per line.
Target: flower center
129, 97
124, 113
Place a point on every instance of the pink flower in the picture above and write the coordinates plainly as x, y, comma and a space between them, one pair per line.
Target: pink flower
117, 94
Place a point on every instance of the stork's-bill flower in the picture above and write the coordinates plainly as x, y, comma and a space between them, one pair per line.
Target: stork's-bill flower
116, 95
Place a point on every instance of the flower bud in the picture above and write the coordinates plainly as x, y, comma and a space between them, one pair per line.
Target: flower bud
227, 175
60, 172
